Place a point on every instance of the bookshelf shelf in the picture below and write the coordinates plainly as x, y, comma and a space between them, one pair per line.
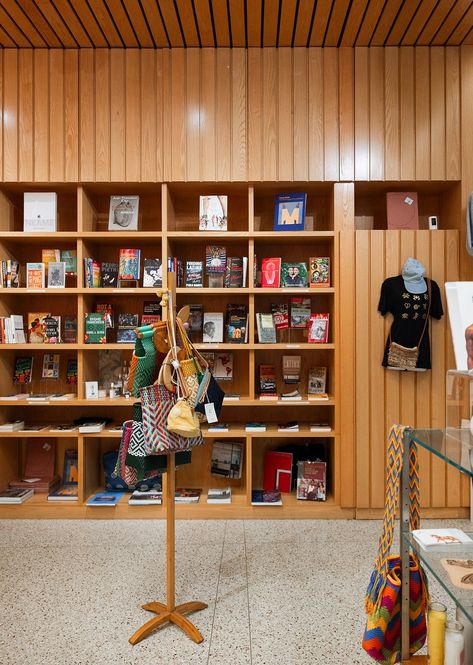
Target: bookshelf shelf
168, 223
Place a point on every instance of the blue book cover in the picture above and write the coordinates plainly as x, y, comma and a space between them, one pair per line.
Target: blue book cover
105, 499
289, 212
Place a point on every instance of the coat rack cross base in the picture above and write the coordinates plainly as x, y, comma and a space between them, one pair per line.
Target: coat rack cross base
176, 616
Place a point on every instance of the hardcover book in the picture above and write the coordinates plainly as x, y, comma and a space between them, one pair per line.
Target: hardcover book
129, 265
71, 371
44, 328
35, 275
95, 328
69, 257
294, 275
195, 318
280, 312
213, 213
277, 471
317, 381
227, 458
96, 271
127, 323
23, 369
289, 212
266, 328
123, 213
223, 368
212, 327
70, 329
311, 481
234, 272
151, 312
10, 274
194, 274
319, 328
268, 382
271, 273
215, 259
109, 275
51, 366
237, 324
152, 273
319, 272
56, 275
219, 495
291, 369
300, 312
40, 212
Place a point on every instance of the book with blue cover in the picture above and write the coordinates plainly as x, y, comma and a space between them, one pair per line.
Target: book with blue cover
105, 499
289, 212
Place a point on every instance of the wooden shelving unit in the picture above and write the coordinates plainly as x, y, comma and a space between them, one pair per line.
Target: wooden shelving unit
168, 227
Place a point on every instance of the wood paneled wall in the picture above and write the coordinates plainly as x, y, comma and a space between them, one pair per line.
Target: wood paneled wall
231, 114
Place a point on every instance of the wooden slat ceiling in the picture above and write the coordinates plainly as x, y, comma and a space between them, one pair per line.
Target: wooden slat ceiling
238, 23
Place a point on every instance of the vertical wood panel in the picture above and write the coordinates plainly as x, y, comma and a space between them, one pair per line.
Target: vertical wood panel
193, 75
2, 112
255, 113
102, 114
160, 58
347, 113
165, 57
133, 115
407, 112
300, 101
316, 114
422, 126
117, 114
331, 115
452, 114
41, 113
437, 109
239, 136
10, 111
56, 115
207, 116
285, 153
408, 392
270, 114
149, 101
25, 115
362, 114
223, 115
376, 113
392, 161
71, 112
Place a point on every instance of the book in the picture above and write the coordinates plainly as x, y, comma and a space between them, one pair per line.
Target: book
16, 495
319, 328
277, 472
69, 257
300, 312
291, 369
50, 256
268, 382
271, 273
234, 272
223, 367
92, 426
40, 212
127, 324
123, 213
148, 498
151, 312
44, 328
105, 499
50, 366
311, 480
212, 327
227, 459
52, 329
35, 275
129, 265
319, 276
14, 397
64, 494
152, 273
255, 427
436, 539
291, 426
292, 396
10, 274
209, 356
317, 382
195, 318
35, 428
194, 274
23, 370
13, 426
39, 466
229, 397
215, 260
402, 210
289, 212
319, 427
266, 498
70, 476
95, 328
280, 312
293, 275
61, 397
219, 495
70, 329
109, 275
237, 324
218, 427
56, 275
266, 328
38, 397
186, 495
107, 309
64, 427
213, 213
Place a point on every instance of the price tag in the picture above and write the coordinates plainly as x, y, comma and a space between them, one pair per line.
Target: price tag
210, 413
293, 346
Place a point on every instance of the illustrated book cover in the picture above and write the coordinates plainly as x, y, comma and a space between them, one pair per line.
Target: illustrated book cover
23, 369
129, 265
271, 273
277, 471
123, 213
319, 328
152, 273
213, 212
311, 481
319, 272
212, 327
289, 212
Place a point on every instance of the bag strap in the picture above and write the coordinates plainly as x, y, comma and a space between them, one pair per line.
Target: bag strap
429, 292
191, 351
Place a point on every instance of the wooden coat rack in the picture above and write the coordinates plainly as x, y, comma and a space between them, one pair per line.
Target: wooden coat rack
168, 612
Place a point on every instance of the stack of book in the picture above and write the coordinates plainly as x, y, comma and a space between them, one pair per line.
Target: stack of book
15, 496
12, 329
221, 495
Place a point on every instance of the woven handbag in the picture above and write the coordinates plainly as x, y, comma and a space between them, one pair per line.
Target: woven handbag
382, 636
144, 364
157, 402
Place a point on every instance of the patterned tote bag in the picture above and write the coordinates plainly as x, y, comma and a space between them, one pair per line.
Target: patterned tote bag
382, 637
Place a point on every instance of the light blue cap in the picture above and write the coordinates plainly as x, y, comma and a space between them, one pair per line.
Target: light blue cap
413, 273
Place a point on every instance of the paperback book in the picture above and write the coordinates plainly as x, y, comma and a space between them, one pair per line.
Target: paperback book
268, 382
127, 323
151, 312
69, 257
109, 275
319, 328
35, 275
212, 327
222, 495
266, 328
51, 366
109, 499
148, 498
266, 498
317, 383
123, 213
223, 367
187, 495
235, 272
129, 265
300, 312
280, 312
271, 273
95, 328
106, 308
213, 213
153, 273
237, 324
70, 477
289, 212
10, 274
195, 318
311, 481
44, 328
194, 274
215, 259
291, 369
294, 275
16, 495
56, 275
319, 272
70, 329
436, 539
227, 458
40, 212
23, 369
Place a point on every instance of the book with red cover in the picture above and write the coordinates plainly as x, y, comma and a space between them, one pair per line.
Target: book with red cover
277, 471
402, 210
39, 466
318, 330
271, 273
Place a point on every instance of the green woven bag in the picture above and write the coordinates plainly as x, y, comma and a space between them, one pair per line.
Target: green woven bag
143, 366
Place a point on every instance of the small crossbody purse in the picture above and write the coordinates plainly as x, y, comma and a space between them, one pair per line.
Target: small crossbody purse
406, 357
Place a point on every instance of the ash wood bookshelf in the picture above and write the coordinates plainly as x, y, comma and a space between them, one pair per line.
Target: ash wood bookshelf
168, 223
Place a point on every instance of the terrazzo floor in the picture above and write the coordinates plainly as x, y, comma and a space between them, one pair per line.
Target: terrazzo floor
279, 592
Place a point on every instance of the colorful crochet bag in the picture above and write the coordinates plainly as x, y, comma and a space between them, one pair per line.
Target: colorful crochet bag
382, 637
